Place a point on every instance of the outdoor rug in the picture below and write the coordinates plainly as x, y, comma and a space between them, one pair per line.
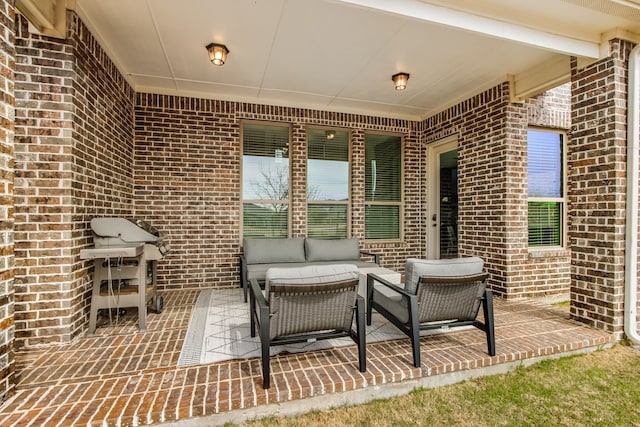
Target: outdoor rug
219, 330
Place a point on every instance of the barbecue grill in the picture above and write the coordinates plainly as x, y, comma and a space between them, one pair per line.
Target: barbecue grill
125, 254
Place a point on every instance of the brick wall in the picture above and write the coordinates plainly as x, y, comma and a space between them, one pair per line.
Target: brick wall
74, 160
102, 149
552, 109
492, 183
43, 187
545, 273
484, 155
7, 115
598, 188
188, 181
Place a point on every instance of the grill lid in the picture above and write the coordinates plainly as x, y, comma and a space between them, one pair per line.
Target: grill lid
122, 231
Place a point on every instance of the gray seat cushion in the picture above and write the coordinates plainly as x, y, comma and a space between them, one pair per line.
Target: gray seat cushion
392, 301
332, 250
310, 274
416, 268
259, 271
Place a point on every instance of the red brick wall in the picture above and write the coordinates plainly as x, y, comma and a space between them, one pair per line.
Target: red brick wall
74, 160
598, 188
7, 112
484, 155
552, 109
546, 273
188, 181
43, 187
492, 183
102, 148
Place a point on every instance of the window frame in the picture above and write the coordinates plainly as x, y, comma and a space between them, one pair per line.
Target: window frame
561, 200
349, 180
400, 204
288, 201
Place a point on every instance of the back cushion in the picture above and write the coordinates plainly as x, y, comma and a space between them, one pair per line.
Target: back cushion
332, 250
310, 274
265, 251
416, 268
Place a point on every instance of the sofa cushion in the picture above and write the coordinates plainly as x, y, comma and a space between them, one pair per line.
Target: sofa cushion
415, 268
332, 250
310, 274
263, 251
259, 271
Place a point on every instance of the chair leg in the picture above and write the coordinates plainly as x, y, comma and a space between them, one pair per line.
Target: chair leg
252, 313
487, 308
414, 330
360, 328
244, 283
265, 342
369, 298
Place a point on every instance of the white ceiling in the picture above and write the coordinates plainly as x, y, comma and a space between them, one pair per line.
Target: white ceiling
340, 55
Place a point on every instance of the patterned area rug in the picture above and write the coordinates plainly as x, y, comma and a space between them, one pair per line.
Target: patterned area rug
219, 330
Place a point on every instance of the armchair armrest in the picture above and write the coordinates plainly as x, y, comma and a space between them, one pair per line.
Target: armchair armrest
376, 256
371, 277
256, 293
258, 309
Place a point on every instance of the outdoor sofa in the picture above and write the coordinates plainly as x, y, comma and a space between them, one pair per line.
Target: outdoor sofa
259, 255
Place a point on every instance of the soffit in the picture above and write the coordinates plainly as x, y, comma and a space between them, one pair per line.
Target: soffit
340, 55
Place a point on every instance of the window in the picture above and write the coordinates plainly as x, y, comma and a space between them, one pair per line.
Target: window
546, 188
383, 186
265, 180
328, 184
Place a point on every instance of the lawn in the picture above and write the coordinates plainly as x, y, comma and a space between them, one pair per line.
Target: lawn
597, 389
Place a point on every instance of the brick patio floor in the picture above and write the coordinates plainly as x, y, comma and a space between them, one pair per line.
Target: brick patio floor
123, 377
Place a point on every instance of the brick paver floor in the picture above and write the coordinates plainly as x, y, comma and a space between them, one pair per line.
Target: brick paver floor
124, 377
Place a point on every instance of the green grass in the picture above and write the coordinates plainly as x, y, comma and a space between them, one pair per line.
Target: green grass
598, 389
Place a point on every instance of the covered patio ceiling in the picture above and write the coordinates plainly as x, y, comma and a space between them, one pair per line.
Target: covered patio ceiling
339, 55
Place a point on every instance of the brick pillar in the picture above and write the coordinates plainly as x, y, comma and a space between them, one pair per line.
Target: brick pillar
7, 119
597, 190
43, 190
357, 184
298, 159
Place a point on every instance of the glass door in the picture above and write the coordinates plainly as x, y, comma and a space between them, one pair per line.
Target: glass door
443, 200
448, 204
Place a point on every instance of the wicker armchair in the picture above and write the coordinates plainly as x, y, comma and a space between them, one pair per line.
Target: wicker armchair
307, 304
436, 294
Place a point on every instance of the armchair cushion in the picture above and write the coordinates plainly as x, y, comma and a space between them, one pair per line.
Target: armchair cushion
311, 274
415, 268
265, 251
332, 250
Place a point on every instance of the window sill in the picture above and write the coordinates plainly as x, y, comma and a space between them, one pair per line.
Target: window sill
549, 252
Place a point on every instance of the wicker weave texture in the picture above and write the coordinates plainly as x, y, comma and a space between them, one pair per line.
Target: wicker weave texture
302, 309
446, 300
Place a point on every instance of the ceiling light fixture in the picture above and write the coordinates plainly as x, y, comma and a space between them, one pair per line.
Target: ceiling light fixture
217, 53
400, 80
